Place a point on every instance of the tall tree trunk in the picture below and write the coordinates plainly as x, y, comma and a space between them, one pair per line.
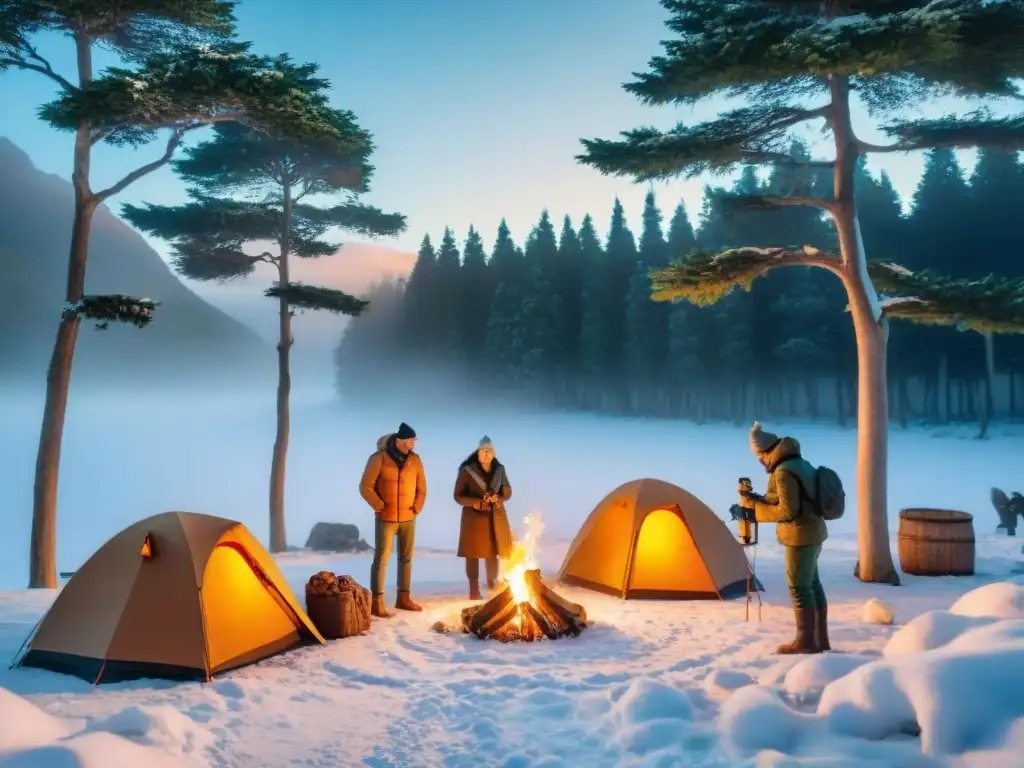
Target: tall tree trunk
871, 329
278, 536
990, 382
43, 542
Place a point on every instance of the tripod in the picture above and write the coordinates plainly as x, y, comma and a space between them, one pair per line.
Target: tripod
749, 531
752, 577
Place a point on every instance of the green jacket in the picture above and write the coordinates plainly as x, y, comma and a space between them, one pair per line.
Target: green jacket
797, 523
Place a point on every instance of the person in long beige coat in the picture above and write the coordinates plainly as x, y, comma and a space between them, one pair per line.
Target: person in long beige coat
482, 488
395, 486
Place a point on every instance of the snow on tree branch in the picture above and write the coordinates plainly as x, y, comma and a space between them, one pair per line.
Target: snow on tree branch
989, 305
746, 135
978, 129
113, 308
756, 48
705, 278
735, 203
316, 297
189, 89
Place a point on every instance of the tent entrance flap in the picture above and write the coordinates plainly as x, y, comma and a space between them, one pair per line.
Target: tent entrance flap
241, 614
666, 558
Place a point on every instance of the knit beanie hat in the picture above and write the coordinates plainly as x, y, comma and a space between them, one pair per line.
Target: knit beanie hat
760, 440
485, 442
405, 432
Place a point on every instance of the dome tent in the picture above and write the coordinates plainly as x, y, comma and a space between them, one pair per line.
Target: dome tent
649, 539
177, 595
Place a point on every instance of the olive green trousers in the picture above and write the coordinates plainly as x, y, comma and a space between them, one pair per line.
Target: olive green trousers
802, 577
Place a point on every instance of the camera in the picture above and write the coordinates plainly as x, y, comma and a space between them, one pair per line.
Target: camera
746, 520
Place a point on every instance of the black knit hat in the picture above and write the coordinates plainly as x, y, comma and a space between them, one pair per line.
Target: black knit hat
405, 432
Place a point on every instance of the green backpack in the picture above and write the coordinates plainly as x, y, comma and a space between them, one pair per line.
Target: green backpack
830, 498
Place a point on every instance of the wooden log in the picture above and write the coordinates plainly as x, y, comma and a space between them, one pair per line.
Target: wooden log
486, 613
528, 629
541, 622
499, 621
494, 614
542, 592
467, 616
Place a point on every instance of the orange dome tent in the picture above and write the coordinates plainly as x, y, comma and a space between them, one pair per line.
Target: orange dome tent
178, 595
649, 539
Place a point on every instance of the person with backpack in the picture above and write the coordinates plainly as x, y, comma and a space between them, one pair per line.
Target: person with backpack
799, 499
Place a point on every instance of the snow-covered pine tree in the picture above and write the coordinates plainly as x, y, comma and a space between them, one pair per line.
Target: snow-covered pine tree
181, 70
799, 62
249, 186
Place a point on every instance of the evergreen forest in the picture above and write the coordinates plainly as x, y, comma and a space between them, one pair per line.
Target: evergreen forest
564, 318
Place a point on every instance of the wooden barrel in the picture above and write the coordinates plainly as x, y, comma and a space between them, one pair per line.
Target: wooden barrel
936, 542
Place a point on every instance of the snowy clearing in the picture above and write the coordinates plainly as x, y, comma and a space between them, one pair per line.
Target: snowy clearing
649, 683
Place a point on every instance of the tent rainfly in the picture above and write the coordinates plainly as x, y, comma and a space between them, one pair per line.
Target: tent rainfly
178, 595
649, 539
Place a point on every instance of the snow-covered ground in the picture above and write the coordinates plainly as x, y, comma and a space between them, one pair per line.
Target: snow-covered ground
650, 683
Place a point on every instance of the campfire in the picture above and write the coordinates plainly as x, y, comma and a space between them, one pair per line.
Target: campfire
524, 607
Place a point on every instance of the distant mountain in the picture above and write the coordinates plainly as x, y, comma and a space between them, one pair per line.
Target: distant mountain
188, 339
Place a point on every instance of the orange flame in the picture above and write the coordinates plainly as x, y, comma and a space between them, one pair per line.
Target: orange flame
522, 559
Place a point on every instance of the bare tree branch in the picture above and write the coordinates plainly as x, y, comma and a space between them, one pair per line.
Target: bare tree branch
42, 67
773, 202
138, 173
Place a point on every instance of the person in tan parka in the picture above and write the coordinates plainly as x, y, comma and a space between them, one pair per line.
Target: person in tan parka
395, 486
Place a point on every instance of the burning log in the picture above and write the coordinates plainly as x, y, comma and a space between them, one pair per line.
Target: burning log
545, 614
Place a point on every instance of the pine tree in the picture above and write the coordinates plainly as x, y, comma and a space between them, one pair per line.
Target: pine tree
540, 305
995, 249
684, 367
447, 297
418, 302
506, 328
795, 52
681, 239
941, 243
183, 73
478, 291
569, 287
619, 262
592, 327
646, 321
248, 187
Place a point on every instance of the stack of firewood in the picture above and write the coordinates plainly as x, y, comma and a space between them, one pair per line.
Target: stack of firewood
337, 605
546, 614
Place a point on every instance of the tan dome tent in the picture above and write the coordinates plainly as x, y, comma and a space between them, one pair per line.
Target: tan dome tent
649, 539
178, 595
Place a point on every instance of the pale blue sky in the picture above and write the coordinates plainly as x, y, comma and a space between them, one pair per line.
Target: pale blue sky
477, 106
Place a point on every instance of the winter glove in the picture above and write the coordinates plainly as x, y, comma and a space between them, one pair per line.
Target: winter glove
749, 500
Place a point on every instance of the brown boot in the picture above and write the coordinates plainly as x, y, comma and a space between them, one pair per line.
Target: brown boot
821, 628
805, 628
379, 608
474, 591
406, 603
